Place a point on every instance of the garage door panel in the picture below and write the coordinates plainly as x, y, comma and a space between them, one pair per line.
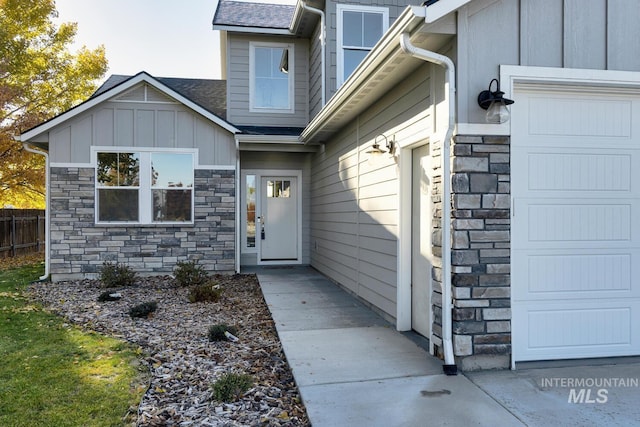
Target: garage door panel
579, 172
577, 276
575, 223
564, 172
575, 190
579, 115
576, 330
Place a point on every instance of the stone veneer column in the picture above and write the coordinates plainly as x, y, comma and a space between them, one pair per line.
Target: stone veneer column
79, 247
481, 251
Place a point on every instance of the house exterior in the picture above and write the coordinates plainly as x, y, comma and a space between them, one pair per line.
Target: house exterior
352, 141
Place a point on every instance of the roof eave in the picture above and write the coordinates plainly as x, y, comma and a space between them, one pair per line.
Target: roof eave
254, 30
411, 18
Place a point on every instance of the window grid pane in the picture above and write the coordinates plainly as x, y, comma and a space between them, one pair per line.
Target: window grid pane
171, 205
118, 205
118, 169
271, 84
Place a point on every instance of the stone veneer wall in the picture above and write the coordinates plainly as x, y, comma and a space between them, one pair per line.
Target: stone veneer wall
480, 255
79, 247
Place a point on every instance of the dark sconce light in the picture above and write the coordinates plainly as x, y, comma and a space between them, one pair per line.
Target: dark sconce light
376, 150
495, 104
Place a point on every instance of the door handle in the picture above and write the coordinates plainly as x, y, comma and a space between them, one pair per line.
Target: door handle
262, 234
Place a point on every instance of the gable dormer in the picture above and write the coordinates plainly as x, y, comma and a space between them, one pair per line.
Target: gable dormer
317, 43
266, 65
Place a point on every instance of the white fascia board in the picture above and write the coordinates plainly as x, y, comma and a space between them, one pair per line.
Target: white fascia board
268, 139
442, 8
116, 90
254, 30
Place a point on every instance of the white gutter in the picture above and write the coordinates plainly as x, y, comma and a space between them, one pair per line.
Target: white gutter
323, 40
450, 92
47, 227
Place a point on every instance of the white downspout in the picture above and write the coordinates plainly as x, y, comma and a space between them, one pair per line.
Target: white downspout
239, 184
323, 37
47, 228
450, 92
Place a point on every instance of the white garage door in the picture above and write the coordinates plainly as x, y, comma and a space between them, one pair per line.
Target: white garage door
575, 223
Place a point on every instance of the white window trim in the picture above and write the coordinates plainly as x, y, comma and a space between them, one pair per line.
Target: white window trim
340, 9
291, 73
144, 201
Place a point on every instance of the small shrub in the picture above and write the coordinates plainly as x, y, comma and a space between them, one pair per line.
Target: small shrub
116, 275
189, 273
209, 292
231, 386
144, 309
109, 296
216, 332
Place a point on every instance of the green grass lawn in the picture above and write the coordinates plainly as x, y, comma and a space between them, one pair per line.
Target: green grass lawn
53, 374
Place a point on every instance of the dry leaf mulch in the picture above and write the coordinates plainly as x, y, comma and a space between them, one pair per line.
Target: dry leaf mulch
183, 363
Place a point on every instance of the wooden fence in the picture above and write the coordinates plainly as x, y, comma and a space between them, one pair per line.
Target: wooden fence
22, 231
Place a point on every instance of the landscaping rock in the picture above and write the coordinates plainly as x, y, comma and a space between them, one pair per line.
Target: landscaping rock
183, 363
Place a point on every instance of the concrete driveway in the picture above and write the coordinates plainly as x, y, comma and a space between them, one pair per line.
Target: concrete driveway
603, 392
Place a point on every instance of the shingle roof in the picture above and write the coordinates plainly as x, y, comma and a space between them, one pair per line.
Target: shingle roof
257, 15
209, 94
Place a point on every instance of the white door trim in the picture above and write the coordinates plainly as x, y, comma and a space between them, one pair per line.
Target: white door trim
403, 309
259, 173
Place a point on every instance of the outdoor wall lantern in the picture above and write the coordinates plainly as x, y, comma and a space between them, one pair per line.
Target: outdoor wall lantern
376, 151
495, 104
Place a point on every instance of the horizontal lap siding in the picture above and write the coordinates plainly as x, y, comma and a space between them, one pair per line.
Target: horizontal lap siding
354, 203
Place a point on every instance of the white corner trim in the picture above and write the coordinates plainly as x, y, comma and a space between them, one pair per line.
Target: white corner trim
215, 167
503, 129
72, 165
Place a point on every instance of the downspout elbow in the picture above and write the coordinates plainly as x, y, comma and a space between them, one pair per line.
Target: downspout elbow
449, 367
47, 228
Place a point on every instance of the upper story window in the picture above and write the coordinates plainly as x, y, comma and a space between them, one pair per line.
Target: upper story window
359, 29
271, 77
144, 187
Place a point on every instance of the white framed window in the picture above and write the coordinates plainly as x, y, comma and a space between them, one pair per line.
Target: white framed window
271, 77
359, 29
143, 186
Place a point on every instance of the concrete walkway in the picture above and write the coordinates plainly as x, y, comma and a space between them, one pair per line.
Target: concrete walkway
354, 369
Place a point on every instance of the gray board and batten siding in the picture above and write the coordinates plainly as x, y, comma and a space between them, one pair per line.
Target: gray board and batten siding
141, 117
588, 34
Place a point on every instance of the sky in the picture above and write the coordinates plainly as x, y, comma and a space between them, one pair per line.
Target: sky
166, 38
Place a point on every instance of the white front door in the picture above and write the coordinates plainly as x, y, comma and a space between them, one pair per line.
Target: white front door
575, 258
421, 243
278, 219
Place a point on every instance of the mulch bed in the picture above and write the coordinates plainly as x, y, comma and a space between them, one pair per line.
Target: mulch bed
183, 362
